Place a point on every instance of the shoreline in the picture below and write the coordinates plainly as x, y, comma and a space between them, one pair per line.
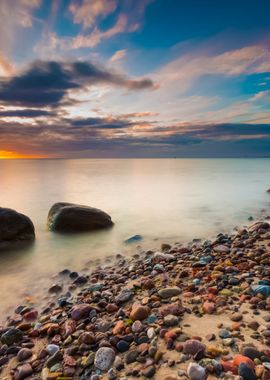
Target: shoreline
151, 315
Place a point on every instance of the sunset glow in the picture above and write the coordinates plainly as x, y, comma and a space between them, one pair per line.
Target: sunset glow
4, 155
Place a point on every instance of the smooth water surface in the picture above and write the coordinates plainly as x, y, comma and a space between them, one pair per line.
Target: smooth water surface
165, 200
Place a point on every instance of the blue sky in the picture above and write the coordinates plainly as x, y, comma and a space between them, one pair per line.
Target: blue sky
134, 78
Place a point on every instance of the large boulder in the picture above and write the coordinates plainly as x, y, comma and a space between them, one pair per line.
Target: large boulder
15, 228
69, 217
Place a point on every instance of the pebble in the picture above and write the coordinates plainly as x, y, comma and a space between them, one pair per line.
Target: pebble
104, 358
139, 312
23, 371
196, 372
80, 311
149, 372
171, 320
193, 346
24, 354
52, 348
246, 372
122, 346
169, 292
223, 334
12, 336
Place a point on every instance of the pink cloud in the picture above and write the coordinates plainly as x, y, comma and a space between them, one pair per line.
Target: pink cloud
88, 11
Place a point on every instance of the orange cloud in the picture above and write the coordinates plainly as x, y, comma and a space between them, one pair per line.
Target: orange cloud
6, 67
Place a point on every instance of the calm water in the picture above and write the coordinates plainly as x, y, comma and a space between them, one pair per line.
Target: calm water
165, 200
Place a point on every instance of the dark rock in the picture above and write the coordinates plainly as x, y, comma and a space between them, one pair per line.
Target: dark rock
122, 346
131, 356
69, 217
81, 280
15, 229
57, 357
149, 372
246, 372
55, 288
12, 336
251, 352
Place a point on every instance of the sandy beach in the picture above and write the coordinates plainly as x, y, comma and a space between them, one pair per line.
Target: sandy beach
194, 311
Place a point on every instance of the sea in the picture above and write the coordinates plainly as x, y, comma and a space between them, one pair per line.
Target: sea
163, 200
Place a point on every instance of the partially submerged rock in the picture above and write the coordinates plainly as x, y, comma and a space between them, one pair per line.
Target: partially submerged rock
133, 239
15, 228
69, 217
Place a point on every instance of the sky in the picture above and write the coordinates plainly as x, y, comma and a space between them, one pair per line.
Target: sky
134, 78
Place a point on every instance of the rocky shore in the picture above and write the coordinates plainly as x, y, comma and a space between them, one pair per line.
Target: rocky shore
194, 311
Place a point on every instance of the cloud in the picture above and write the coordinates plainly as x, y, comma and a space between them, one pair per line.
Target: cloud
87, 11
118, 55
96, 36
101, 123
29, 113
6, 67
117, 135
46, 83
15, 14
262, 95
182, 72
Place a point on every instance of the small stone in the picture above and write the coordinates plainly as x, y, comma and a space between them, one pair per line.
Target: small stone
23, 371
193, 346
122, 346
246, 372
137, 326
221, 249
119, 328
223, 334
149, 372
171, 320
80, 311
254, 325
131, 356
210, 337
80, 280
236, 317
139, 312
52, 348
123, 296
251, 352
196, 372
208, 307
104, 358
56, 358
151, 333
55, 288
12, 336
24, 354
169, 292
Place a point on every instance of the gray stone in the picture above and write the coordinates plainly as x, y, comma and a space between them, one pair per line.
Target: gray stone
104, 358
169, 292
